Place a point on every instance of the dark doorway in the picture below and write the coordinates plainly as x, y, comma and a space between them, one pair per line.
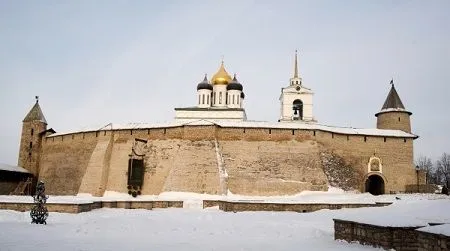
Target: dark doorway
297, 106
375, 185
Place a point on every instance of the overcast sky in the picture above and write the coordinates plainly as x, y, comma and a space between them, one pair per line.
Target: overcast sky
96, 62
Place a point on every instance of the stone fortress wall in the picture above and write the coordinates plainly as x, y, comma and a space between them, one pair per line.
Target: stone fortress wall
213, 159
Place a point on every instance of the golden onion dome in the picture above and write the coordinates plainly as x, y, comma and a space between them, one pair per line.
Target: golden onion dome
221, 77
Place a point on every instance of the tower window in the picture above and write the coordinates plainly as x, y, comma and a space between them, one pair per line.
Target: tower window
207, 100
384, 139
314, 133
270, 131
31, 146
365, 138
233, 98
237, 99
203, 99
198, 99
220, 98
297, 106
398, 119
404, 140
293, 132
32, 132
227, 98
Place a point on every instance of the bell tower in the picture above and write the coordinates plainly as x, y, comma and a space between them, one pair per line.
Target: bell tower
296, 99
34, 126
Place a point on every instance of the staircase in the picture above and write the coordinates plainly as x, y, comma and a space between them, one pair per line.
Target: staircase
23, 188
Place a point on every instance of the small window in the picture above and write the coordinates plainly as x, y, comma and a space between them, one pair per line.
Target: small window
104, 133
398, 119
96, 134
244, 130
131, 132
365, 138
384, 139
404, 140
31, 145
332, 135
348, 138
238, 100
198, 99
293, 132
233, 99
314, 133
270, 131
203, 99
32, 132
220, 98
164, 130
73, 136
207, 100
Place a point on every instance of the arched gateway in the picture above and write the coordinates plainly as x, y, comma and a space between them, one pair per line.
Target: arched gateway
375, 184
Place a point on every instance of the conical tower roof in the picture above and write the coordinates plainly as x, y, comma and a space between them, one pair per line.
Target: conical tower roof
393, 101
35, 114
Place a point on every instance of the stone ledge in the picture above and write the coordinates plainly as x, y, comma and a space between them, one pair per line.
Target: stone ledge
388, 237
241, 206
88, 206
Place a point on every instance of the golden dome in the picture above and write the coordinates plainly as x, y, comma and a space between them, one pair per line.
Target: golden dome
221, 77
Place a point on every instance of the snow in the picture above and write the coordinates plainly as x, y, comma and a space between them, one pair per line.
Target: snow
248, 124
443, 229
10, 168
191, 228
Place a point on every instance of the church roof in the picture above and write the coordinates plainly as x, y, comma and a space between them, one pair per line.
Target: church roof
393, 100
35, 114
221, 77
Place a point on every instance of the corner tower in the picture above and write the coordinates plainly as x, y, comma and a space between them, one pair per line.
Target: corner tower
393, 114
296, 100
33, 129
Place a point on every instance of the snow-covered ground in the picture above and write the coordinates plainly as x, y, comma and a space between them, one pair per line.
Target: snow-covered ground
209, 229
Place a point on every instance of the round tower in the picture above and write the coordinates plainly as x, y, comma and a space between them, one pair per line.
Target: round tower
34, 127
204, 96
393, 114
234, 89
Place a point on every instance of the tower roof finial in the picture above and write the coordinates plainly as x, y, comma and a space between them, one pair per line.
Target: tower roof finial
296, 66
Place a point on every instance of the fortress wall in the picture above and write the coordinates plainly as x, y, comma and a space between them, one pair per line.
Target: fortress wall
258, 160
272, 167
64, 160
396, 155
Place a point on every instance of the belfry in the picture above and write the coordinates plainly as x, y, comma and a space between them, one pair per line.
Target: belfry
296, 100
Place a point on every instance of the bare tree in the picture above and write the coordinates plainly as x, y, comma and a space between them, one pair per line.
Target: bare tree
443, 167
424, 163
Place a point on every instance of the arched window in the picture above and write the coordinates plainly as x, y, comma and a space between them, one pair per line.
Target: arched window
220, 98
238, 98
199, 99
297, 107
233, 99
207, 100
203, 99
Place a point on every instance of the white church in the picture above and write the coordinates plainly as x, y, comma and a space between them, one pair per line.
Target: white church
222, 99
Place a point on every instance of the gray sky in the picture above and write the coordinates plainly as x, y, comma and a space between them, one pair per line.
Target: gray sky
96, 62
